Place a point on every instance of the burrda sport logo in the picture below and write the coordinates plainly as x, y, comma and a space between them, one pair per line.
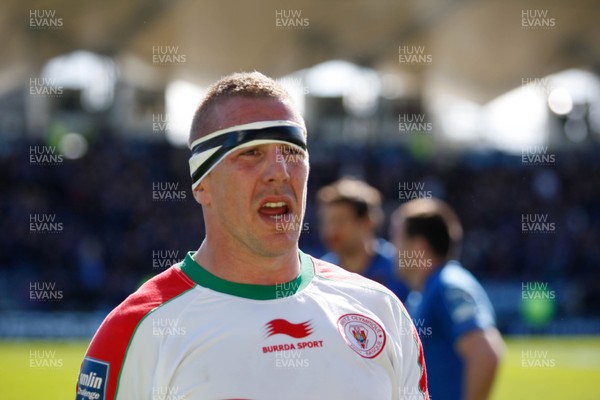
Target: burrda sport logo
363, 334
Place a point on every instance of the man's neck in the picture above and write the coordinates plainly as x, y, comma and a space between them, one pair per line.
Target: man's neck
436, 265
242, 266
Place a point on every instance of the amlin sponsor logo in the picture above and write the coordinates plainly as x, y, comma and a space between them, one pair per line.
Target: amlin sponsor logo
290, 19
537, 19
92, 380
44, 19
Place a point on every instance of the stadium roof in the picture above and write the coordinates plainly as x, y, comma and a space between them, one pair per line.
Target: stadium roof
478, 49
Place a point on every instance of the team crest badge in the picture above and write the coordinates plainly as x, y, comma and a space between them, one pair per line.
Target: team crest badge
364, 335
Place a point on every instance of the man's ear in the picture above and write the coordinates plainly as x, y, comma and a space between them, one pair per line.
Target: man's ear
201, 194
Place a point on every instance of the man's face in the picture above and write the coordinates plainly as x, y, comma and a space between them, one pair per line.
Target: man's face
341, 230
256, 196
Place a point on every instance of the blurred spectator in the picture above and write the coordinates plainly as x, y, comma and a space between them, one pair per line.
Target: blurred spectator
453, 314
350, 213
106, 198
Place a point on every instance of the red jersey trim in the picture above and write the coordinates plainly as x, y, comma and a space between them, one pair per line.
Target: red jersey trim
112, 340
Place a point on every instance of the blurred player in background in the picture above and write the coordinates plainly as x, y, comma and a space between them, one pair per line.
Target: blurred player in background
349, 214
454, 316
248, 315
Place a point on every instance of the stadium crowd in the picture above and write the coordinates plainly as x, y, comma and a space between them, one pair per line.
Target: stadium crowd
112, 231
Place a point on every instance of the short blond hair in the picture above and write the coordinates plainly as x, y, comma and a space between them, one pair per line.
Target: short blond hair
245, 84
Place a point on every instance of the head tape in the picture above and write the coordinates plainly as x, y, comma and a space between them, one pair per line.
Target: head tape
209, 150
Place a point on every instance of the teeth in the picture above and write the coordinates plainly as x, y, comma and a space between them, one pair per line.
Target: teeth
273, 204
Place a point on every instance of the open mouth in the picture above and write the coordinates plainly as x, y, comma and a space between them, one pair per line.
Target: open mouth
274, 209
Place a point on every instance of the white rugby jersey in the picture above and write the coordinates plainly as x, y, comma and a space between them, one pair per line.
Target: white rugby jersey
189, 335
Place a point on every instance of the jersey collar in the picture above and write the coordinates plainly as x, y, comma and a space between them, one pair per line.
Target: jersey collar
256, 292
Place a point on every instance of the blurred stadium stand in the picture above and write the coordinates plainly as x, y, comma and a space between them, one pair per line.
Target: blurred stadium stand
112, 93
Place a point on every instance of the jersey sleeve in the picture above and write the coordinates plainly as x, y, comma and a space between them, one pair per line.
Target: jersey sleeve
120, 360
413, 372
466, 309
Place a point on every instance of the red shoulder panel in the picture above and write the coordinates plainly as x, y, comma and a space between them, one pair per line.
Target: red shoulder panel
112, 338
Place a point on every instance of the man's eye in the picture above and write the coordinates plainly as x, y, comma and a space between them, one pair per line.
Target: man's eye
251, 152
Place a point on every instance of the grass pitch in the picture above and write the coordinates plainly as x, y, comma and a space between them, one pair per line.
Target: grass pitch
533, 368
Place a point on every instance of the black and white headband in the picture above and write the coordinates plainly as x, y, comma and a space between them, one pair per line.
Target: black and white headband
209, 150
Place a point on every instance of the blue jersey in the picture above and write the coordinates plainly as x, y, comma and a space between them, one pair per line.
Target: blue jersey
381, 269
453, 303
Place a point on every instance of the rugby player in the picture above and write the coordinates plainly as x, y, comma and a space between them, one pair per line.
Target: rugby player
454, 316
248, 315
349, 214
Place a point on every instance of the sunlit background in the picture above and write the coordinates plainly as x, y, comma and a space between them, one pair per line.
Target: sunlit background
493, 106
